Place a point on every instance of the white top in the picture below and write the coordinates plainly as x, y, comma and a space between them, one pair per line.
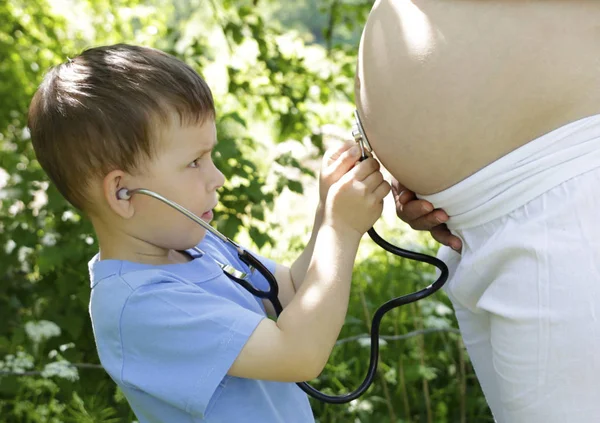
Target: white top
523, 174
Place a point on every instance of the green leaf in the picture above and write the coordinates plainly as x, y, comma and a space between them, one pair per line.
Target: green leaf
295, 186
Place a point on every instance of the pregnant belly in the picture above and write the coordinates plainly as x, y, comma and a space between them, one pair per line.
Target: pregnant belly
426, 153
441, 96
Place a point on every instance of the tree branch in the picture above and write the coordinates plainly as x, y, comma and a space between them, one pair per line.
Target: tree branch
396, 337
39, 372
339, 342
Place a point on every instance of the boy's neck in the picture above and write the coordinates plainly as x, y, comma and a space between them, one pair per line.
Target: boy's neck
117, 245
171, 256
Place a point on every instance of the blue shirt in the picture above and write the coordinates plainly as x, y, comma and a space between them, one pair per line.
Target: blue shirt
168, 334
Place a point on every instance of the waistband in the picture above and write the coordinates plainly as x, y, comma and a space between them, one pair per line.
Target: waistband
521, 175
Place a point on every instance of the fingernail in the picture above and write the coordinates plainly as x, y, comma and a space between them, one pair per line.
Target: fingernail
355, 151
400, 196
440, 219
427, 208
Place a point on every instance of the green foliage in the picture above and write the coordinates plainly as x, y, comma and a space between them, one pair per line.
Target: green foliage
271, 85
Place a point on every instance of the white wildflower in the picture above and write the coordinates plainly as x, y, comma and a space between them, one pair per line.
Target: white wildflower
68, 215
49, 239
65, 347
61, 369
360, 405
10, 246
17, 364
41, 330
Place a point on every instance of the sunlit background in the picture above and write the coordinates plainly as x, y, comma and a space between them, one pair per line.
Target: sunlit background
282, 77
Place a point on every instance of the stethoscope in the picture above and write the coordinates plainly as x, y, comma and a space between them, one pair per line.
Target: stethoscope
272, 295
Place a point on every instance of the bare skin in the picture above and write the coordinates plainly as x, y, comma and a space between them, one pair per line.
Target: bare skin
446, 87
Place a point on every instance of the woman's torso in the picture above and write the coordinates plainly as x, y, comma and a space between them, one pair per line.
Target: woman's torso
447, 87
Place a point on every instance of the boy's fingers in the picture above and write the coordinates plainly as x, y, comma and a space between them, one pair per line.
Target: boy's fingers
344, 162
350, 156
442, 235
362, 170
372, 181
333, 155
382, 190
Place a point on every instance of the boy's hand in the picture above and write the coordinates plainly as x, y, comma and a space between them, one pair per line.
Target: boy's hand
337, 162
421, 216
355, 201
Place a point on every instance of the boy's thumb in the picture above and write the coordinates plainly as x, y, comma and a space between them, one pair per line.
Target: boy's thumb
346, 161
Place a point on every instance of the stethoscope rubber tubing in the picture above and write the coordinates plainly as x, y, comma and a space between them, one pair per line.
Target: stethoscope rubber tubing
272, 295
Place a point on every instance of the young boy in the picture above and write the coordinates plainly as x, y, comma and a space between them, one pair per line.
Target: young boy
182, 340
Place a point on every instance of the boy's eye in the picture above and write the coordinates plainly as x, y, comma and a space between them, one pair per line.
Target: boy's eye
196, 162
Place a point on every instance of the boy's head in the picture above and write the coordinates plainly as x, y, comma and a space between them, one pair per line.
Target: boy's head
131, 117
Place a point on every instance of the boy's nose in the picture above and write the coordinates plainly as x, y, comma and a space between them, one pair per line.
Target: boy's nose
219, 178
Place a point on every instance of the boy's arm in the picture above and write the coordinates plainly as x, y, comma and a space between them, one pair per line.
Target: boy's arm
297, 271
336, 163
296, 347
289, 279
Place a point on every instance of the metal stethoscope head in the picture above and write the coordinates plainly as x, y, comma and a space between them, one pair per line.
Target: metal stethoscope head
358, 132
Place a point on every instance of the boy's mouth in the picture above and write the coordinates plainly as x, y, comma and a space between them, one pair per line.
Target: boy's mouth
207, 215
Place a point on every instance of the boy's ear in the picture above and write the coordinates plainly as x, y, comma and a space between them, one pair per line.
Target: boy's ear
112, 183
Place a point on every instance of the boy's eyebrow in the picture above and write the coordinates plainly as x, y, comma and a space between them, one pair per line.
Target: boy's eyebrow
203, 150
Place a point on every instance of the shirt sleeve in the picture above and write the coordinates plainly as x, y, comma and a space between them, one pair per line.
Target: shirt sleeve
179, 342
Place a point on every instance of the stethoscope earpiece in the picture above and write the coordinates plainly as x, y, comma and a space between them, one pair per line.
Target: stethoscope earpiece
123, 194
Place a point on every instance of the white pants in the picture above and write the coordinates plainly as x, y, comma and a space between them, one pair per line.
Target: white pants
526, 288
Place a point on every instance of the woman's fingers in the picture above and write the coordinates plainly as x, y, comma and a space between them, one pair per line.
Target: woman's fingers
443, 235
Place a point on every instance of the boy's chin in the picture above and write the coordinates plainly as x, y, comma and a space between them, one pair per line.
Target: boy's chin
184, 237
196, 237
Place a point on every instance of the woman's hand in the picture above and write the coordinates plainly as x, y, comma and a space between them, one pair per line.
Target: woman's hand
422, 216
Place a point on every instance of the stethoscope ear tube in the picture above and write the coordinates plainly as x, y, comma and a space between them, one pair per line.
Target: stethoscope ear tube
273, 293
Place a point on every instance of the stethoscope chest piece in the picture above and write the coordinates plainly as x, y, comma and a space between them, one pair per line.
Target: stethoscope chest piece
358, 133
